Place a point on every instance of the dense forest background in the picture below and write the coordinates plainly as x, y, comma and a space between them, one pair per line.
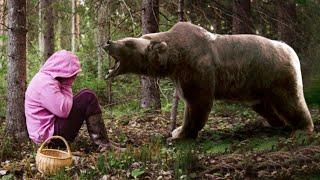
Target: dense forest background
83, 26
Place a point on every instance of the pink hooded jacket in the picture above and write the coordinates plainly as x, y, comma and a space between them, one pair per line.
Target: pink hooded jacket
47, 98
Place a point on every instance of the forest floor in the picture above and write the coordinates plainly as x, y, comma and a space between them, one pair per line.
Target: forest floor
233, 144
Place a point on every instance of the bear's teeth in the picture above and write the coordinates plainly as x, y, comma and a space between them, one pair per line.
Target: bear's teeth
110, 71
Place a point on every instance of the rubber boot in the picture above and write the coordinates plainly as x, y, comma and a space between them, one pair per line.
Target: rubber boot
98, 134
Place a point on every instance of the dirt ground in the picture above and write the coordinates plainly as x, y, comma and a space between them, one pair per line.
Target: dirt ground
235, 144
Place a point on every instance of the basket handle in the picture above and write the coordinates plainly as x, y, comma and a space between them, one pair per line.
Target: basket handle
56, 137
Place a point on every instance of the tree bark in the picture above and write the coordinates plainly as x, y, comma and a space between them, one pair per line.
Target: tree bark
75, 27
101, 36
242, 19
149, 86
175, 102
16, 77
181, 10
287, 27
47, 15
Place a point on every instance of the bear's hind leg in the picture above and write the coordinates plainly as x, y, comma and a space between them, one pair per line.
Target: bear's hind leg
195, 117
268, 112
292, 106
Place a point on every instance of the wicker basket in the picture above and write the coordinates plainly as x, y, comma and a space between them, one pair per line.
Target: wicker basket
49, 161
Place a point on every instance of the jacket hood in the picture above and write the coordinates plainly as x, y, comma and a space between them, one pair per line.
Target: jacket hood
63, 64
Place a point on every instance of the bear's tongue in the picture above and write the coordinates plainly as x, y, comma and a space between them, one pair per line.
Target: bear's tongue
113, 70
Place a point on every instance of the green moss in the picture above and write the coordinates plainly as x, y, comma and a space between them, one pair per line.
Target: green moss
263, 143
210, 147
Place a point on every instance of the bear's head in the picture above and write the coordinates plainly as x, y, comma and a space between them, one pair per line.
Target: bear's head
137, 55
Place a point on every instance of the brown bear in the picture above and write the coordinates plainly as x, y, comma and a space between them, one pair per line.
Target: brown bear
205, 66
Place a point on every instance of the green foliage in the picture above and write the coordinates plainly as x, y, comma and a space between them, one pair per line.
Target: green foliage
34, 63
137, 172
6, 147
113, 161
98, 86
211, 147
3, 37
8, 177
263, 143
180, 158
303, 2
120, 161
101, 165
185, 158
312, 90
3, 82
89, 174
61, 175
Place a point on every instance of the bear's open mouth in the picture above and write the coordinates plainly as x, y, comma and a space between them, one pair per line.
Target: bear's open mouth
113, 71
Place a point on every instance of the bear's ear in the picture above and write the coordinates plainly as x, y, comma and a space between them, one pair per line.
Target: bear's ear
156, 46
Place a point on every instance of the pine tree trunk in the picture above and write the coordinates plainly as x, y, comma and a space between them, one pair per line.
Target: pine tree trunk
181, 10
241, 21
48, 28
74, 28
16, 77
149, 86
175, 102
101, 36
287, 27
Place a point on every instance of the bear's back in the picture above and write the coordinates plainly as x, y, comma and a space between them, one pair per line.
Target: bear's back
191, 31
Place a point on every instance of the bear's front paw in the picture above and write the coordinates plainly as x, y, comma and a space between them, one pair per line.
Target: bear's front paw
177, 133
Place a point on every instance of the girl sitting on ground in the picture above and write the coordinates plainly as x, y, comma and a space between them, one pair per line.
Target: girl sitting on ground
51, 109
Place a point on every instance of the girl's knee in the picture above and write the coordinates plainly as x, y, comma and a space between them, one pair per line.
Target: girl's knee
87, 93
87, 100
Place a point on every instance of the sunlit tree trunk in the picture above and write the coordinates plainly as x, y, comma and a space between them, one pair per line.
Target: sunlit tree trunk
75, 29
16, 77
101, 35
287, 28
175, 102
47, 15
149, 86
242, 20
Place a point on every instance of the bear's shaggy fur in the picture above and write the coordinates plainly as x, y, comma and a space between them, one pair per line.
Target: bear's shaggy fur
205, 66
